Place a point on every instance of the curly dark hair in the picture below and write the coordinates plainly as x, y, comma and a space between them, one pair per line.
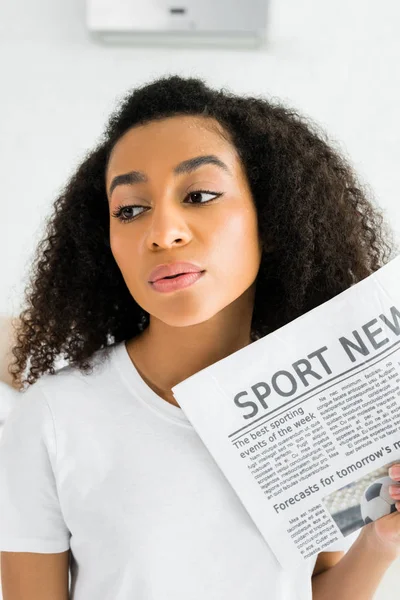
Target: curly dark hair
326, 232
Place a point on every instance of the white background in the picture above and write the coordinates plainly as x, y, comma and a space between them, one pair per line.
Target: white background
337, 62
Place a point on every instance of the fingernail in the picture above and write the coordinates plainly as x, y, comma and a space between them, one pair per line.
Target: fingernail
394, 472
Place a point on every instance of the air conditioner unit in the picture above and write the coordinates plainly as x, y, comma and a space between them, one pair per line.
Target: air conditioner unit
207, 22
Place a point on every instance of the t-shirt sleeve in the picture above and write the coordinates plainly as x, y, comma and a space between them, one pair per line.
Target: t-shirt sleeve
30, 514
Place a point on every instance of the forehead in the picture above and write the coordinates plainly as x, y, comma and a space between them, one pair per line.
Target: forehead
169, 140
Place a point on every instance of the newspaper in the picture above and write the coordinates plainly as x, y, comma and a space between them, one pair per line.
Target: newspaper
305, 422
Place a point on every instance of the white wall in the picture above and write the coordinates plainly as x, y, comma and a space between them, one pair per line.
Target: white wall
337, 61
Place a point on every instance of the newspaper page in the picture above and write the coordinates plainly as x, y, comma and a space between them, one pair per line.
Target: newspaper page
305, 422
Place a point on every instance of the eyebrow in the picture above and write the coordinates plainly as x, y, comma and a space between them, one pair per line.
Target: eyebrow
187, 166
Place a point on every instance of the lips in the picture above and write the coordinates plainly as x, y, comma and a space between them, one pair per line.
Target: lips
169, 270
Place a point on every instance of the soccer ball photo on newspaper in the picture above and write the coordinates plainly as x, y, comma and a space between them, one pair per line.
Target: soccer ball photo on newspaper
376, 502
362, 501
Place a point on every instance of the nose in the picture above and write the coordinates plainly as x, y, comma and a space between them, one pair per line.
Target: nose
168, 227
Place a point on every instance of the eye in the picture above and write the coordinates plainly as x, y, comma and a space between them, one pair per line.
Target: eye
124, 214
201, 192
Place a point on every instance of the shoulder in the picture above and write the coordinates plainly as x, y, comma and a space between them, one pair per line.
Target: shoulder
72, 377
69, 386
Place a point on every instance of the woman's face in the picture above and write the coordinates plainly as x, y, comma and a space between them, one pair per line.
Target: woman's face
170, 217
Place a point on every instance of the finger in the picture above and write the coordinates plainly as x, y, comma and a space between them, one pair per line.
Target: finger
394, 472
394, 491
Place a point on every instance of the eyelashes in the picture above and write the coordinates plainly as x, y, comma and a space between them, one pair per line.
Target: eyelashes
120, 211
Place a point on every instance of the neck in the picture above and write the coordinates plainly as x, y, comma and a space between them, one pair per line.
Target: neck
166, 355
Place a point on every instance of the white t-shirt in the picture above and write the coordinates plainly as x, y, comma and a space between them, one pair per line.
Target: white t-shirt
104, 466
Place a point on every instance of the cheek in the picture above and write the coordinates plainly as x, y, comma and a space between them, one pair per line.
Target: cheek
116, 245
122, 250
238, 253
238, 236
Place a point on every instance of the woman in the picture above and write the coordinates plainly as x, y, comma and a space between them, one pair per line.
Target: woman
273, 222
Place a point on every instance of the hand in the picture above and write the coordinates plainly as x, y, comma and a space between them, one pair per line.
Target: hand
385, 532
